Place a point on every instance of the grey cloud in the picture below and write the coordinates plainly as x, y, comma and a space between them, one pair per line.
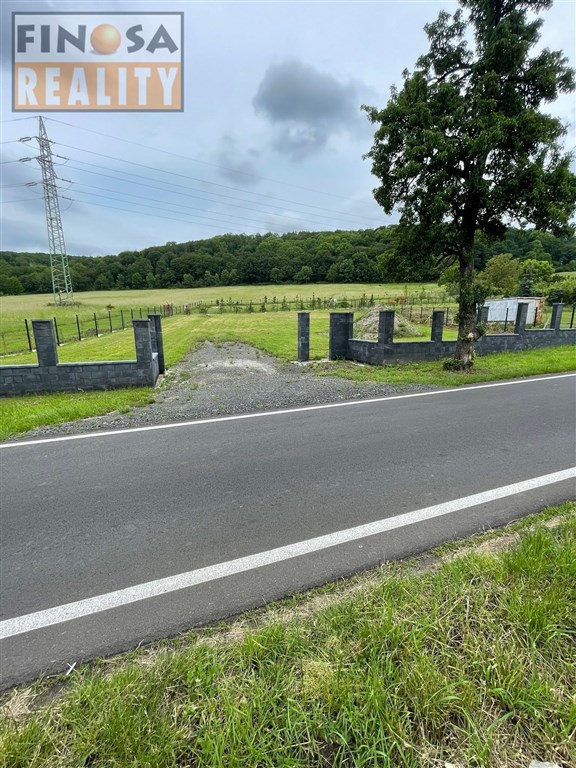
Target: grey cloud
237, 165
306, 105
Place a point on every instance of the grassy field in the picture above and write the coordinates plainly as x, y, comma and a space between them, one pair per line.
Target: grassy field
13, 309
275, 333
96, 300
116, 309
468, 658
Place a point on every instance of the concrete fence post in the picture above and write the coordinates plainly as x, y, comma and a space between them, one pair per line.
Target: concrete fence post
158, 339
483, 314
303, 337
143, 342
437, 325
45, 340
521, 317
386, 326
556, 316
341, 329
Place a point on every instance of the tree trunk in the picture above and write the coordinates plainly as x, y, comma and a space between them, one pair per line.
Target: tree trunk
464, 355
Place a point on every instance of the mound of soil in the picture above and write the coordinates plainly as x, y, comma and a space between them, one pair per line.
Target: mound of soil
367, 327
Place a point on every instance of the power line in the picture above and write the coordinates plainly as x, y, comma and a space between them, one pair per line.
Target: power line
185, 194
142, 213
243, 220
216, 184
202, 162
17, 119
21, 184
23, 200
153, 207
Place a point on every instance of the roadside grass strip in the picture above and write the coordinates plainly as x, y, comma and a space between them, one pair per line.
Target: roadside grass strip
466, 656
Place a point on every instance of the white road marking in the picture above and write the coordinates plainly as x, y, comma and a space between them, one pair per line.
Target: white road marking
284, 412
41, 619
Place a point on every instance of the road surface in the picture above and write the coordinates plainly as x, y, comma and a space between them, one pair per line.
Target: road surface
113, 539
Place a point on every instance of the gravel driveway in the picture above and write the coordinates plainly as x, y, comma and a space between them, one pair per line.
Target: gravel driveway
225, 380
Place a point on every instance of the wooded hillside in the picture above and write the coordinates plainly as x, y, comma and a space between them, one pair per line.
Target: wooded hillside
370, 255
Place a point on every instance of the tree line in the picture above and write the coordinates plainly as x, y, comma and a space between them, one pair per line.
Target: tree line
364, 256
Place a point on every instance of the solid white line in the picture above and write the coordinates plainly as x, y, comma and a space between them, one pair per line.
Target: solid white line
284, 412
62, 613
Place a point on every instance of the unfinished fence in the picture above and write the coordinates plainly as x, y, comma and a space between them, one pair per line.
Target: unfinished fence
343, 345
49, 375
76, 327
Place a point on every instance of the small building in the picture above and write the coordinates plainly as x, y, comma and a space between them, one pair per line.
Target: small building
500, 310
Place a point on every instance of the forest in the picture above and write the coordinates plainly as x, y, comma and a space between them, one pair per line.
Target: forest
369, 255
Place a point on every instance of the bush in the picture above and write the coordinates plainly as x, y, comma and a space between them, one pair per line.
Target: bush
564, 292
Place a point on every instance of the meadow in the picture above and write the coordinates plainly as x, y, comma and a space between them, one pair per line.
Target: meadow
13, 309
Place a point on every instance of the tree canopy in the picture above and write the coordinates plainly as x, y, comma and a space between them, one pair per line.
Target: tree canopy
366, 256
463, 148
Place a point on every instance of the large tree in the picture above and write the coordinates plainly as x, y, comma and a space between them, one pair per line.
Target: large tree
464, 148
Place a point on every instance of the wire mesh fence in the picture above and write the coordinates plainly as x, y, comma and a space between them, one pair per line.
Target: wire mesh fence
76, 327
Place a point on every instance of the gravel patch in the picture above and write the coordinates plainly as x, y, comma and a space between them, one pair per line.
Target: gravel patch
227, 380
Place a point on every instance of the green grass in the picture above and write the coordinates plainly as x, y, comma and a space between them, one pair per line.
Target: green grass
14, 309
275, 333
504, 365
21, 414
472, 662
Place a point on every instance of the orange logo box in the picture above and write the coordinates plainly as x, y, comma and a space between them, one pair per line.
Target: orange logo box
97, 62
115, 87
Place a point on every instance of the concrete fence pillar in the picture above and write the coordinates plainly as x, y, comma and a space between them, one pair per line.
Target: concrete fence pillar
341, 329
45, 340
556, 316
386, 326
437, 325
303, 337
483, 314
143, 342
521, 317
158, 340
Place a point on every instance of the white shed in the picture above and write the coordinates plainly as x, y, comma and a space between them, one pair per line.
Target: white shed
500, 310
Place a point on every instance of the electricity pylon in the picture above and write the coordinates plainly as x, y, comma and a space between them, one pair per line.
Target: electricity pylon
61, 280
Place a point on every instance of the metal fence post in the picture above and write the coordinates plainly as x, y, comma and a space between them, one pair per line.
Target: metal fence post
57, 334
78, 327
30, 340
96, 324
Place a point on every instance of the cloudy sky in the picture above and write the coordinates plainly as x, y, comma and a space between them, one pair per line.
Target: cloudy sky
271, 137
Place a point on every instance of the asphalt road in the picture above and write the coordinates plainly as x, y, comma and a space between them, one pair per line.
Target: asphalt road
87, 520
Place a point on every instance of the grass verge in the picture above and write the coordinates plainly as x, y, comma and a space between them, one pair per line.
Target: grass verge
503, 365
470, 661
21, 414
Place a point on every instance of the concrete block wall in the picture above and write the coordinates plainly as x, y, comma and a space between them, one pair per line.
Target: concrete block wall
51, 376
386, 350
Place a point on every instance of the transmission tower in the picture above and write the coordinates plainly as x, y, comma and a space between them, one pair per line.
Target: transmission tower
61, 281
